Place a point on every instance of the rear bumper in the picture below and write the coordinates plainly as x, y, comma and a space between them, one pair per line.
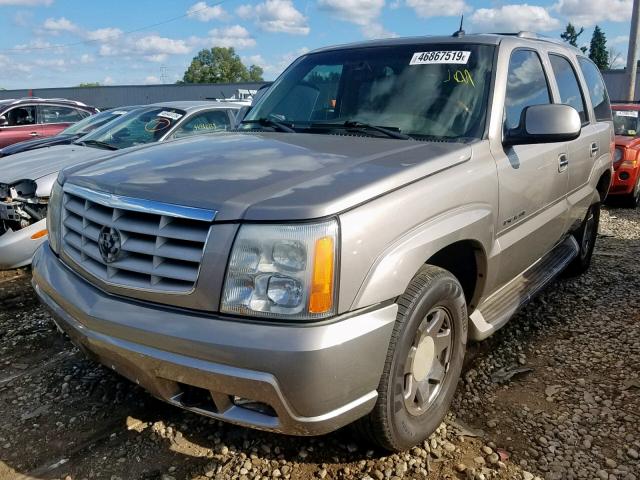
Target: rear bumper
312, 378
17, 248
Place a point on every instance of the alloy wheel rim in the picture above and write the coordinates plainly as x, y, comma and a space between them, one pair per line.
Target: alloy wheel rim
428, 360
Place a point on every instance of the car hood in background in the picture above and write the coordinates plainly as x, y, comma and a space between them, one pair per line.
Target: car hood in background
28, 145
269, 176
35, 164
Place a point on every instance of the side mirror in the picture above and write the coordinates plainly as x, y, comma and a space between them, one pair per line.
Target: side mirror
3, 121
545, 124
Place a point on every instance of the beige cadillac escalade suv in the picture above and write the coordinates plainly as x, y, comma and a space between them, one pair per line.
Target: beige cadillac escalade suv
382, 204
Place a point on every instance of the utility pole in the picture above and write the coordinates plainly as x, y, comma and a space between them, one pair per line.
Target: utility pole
632, 54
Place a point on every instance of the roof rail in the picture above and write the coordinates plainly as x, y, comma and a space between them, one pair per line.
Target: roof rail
542, 38
63, 100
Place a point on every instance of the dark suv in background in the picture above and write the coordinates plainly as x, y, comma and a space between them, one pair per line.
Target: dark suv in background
28, 118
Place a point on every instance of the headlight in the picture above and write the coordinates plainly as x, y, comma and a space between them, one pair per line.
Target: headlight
283, 271
53, 216
617, 155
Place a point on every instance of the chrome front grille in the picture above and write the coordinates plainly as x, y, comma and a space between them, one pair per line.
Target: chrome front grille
160, 245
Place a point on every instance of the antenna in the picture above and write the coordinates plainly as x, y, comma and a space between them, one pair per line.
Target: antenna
460, 31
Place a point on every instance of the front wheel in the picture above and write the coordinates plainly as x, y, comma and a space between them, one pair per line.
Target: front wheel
633, 199
423, 363
586, 237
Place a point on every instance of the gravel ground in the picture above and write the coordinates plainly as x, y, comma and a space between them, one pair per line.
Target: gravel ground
570, 410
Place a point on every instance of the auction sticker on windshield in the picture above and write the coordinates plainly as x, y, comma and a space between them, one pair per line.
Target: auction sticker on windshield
449, 56
171, 115
626, 113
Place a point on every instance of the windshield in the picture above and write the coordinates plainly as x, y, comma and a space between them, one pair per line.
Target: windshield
135, 128
625, 122
432, 90
89, 124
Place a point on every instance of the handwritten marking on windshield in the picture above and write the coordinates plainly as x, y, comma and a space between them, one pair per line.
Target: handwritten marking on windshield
461, 76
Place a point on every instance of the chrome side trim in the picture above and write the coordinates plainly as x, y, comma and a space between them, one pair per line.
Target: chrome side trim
142, 205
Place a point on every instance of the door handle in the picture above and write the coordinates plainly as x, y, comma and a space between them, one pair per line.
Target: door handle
594, 149
34, 134
563, 162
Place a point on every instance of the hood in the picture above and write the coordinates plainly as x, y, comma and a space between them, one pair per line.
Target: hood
35, 164
269, 176
627, 142
37, 143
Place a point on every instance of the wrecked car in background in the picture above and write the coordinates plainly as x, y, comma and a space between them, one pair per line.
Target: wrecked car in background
26, 178
626, 160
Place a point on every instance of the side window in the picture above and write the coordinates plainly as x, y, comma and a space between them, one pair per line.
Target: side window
58, 114
597, 90
21, 116
570, 93
205, 122
526, 85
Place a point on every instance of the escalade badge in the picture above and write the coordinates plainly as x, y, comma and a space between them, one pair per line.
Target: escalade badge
109, 244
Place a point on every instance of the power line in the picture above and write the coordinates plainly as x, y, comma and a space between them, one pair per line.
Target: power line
15, 51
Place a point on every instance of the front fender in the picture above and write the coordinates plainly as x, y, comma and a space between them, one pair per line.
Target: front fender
394, 268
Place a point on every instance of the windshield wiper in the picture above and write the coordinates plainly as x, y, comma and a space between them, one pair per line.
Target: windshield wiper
355, 125
97, 143
268, 122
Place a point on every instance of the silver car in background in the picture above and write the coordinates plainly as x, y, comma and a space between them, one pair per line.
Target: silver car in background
26, 178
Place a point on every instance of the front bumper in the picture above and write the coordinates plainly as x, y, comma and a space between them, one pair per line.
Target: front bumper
17, 247
313, 378
624, 181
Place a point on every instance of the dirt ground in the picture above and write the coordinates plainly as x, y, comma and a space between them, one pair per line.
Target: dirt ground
575, 414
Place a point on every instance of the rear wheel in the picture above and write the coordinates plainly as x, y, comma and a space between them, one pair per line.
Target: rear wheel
586, 237
423, 364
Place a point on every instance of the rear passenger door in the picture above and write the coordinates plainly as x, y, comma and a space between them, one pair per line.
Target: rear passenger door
597, 138
55, 118
532, 188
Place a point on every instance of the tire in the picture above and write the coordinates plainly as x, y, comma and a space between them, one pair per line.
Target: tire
586, 237
633, 199
432, 306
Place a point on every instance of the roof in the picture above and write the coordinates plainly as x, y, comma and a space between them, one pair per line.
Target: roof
62, 101
189, 105
477, 38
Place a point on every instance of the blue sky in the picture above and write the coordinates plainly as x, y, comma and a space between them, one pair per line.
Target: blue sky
66, 42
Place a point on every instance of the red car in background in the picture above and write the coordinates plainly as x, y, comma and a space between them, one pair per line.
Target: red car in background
626, 160
32, 117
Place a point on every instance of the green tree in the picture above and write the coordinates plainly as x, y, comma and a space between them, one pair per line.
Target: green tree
220, 65
598, 49
255, 73
571, 35
89, 84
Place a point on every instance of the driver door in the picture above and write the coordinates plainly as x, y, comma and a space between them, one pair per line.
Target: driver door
21, 125
533, 179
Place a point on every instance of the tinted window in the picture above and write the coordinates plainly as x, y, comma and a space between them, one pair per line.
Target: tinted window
56, 114
21, 116
597, 90
568, 85
526, 85
205, 122
432, 90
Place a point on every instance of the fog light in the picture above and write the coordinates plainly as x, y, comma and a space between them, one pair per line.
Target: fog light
624, 176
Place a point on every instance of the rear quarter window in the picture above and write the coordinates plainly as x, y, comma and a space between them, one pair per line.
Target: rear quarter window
597, 89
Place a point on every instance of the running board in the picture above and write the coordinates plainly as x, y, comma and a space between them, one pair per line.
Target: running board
494, 312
